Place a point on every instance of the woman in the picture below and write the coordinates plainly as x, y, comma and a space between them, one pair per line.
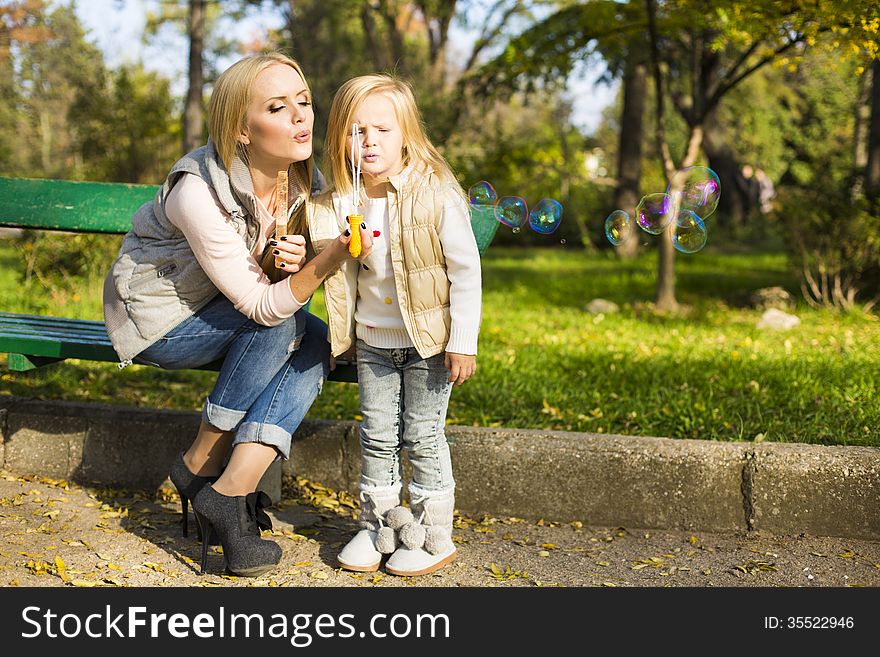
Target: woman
188, 289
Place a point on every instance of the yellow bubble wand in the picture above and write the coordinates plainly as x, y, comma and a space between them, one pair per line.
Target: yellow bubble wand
354, 220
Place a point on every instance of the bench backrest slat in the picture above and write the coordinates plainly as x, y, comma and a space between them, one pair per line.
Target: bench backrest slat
99, 207
83, 207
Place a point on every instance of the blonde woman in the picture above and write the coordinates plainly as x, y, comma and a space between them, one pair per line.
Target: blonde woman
410, 309
188, 288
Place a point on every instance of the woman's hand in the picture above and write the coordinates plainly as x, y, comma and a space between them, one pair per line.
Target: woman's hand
461, 367
289, 251
340, 245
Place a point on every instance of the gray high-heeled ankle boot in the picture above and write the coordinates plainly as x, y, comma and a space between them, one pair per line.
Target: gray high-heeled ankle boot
188, 486
237, 521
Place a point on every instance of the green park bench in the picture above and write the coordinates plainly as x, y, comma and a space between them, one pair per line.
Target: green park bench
90, 207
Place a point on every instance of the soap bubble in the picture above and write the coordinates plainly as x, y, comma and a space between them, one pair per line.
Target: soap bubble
618, 227
697, 189
546, 216
689, 234
482, 193
511, 211
654, 213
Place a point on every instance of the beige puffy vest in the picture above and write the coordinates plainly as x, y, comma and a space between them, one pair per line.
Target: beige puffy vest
415, 206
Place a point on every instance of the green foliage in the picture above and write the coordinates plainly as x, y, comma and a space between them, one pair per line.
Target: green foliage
832, 234
835, 244
72, 118
49, 69
127, 127
544, 363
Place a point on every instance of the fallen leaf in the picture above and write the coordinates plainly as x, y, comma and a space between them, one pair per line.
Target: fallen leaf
61, 569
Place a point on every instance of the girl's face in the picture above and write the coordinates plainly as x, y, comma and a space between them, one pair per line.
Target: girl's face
380, 136
280, 118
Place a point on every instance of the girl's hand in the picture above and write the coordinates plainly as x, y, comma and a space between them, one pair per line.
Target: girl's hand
289, 251
460, 366
348, 357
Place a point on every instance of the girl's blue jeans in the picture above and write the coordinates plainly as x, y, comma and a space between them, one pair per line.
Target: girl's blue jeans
270, 374
404, 398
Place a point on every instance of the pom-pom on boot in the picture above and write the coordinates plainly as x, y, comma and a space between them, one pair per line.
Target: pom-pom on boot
434, 510
397, 517
362, 553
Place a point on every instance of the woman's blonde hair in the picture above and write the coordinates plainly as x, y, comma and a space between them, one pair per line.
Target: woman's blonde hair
227, 119
417, 148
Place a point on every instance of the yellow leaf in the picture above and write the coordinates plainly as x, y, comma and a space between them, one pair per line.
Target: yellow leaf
61, 569
496, 569
84, 583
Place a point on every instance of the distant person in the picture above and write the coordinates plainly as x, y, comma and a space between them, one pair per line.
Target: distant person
188, 288
410, 310
766, 190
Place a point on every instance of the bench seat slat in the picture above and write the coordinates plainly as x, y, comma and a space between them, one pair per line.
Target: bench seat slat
61, 338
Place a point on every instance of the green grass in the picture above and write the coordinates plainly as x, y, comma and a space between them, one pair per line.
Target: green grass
544, 363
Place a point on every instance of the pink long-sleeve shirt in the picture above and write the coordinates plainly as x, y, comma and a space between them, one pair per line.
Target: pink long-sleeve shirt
193, 207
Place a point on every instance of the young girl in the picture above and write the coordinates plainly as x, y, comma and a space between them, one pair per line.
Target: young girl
410, 309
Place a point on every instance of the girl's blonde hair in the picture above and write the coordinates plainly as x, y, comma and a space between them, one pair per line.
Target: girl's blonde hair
417, 148
227, 119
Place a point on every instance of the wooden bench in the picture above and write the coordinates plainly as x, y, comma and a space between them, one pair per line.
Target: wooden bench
89, 207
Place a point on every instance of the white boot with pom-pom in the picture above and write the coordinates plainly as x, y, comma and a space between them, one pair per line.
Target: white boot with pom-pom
427, 541
363, 553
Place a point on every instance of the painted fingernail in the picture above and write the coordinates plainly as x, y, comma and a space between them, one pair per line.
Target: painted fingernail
365, 267
283, 238
347, 232
376, 233
282, 265
273, 243
276, 252
363, 225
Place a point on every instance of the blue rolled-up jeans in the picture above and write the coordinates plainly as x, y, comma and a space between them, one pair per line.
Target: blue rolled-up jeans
404, 399
270, 374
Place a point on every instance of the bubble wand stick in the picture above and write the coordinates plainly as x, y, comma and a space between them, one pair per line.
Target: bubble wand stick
280, 207
354, 220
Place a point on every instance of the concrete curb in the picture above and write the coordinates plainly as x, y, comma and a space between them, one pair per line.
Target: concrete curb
602, 480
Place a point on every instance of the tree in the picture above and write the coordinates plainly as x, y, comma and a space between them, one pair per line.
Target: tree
51, 71
200, 22
710, 48
700, 52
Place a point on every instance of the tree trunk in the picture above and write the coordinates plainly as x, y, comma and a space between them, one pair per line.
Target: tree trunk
629, 160
193, 119
872, 170
741, 194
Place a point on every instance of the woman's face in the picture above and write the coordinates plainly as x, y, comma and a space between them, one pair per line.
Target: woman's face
280, 118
